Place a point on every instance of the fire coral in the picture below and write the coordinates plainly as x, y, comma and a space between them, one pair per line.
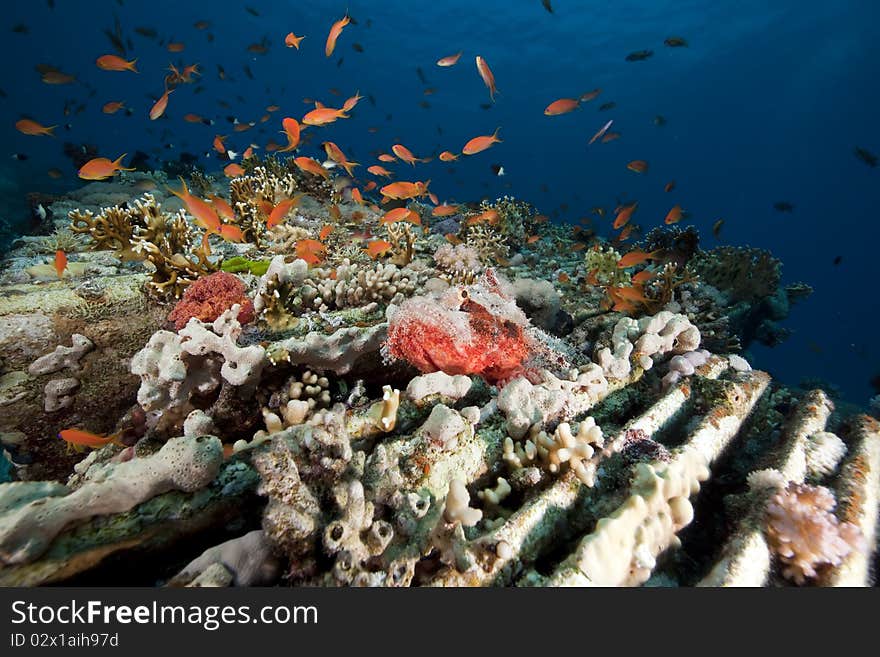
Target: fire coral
207, 298
476, 329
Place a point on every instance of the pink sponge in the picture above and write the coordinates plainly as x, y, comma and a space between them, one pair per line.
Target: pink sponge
207, 298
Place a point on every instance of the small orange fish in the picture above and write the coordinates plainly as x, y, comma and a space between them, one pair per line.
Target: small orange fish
308, 165
447, 156
489, 216
531, 239
112, 107
639, 166
590, 95
405, 190
335, 31
101, 168
292, 132
610, 136
625, 233
159, 107
204, 214
624, 215
453, 239
401, 214
478, 144
29, 127
444, 210
541, 219
406, 155
371, 185
634, 258
55, 173
350, 103
312, 251
488, 77
449, 60
248, 153
716, 227
335, 154
78, 439
57, 77
115, 63
233, 170
643, 276
377, 248
189, 72
325, 232
376, 170
193, 118
292, 41
563, 277
176, 46
433, 198
323, 116
385, 157
223, 208
356, 196
668, 187
281, 210
335, 213
242, 127
561, 106
231, 233
674, 215
218, 144
60, 262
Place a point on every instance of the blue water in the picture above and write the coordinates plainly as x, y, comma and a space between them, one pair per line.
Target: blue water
766, 104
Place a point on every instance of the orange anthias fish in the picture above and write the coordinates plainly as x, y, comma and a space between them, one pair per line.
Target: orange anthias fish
78, 439
444, 210
233, 170
406, 155
335, 31
668, 187
385, 157
281, 210
350, 103
308, 165
325, 232
674, 215
115, 63
335, 153
176, 46
223, 208
561, 106
112, 107
101, 168
448, 156
449, 60
624, 216
292, 132
488, 77
643, 276
377, 248
356, 196
323, 116
312, 251
159, 107
376, 170
29, 127
292, 41
489, 216
231, 233
478, 144
634, 258
610, 136
201, 210
57, 77
639, 166
590, 95
401, 214
370, 186
405, 190
60, 262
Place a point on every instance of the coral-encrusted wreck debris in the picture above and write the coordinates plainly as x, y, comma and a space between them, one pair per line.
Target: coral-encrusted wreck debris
493, 401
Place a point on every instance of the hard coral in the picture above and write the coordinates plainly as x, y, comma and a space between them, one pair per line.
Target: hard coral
467, 330
209, 297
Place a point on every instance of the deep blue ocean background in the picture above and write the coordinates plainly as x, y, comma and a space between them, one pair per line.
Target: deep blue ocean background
766, 104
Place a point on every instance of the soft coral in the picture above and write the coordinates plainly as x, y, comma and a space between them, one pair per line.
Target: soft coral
209, 297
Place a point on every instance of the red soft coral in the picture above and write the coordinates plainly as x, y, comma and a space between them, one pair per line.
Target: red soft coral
472, 330
209, 297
